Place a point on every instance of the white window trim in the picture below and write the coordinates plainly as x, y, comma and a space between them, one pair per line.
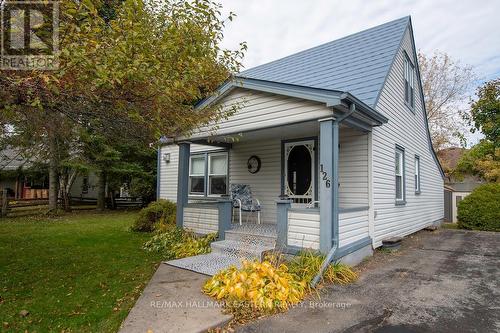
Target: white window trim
401, 151
206, 156
418, 183
199, 156
226, 174
409, 76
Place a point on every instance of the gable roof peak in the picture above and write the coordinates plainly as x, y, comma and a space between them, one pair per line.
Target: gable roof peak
358, 63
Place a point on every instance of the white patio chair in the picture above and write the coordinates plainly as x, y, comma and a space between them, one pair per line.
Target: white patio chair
241, 195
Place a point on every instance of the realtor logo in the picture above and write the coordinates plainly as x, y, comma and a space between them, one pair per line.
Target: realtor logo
30, 38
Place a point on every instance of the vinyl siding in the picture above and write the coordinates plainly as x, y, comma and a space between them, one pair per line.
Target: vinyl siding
201, 219
169, 171
353, 226
303, 229
407, 129
353, 168
265, 184
257, 110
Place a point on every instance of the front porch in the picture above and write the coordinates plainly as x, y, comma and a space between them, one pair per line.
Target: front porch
299, 163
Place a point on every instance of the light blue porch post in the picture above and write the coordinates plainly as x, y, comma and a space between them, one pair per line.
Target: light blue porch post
182, 181
225, 206
328, 180
282, 206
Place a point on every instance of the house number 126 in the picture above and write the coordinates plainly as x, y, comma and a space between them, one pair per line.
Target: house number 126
324, 176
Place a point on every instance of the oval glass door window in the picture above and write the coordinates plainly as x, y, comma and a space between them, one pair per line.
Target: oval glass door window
299, 166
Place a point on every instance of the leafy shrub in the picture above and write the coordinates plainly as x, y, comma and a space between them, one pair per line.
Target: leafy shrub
176, 243
480, 210
264, 287
271, 285
156, 215
307, 264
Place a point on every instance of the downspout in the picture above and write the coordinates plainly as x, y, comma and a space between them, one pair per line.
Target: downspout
335, 226
158, 166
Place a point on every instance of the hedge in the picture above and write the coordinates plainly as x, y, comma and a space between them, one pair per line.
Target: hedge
480, 210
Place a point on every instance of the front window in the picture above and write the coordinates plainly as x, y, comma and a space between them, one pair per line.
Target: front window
409, 82
217, 173
208, 174
400, 179
197, 174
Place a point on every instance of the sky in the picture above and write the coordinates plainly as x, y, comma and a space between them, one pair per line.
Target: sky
469, 31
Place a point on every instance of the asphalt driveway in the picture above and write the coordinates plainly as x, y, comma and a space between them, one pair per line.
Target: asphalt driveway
441, 281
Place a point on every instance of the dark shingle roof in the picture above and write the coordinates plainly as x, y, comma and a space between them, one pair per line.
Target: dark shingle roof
11, 159
357, 64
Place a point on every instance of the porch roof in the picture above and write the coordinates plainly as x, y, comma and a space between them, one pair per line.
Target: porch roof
332, 98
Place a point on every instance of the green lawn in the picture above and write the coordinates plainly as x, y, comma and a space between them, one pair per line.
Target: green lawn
77, 273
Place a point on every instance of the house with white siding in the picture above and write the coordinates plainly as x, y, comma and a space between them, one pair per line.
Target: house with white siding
333, 142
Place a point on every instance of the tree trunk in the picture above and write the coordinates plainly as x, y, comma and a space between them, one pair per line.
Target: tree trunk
112, 200
67, 180
101, 190
5, 203
53, 172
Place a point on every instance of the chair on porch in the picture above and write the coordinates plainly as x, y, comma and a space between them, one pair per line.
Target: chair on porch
241, 195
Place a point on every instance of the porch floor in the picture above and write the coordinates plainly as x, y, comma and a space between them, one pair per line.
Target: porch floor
246, 241
264, 229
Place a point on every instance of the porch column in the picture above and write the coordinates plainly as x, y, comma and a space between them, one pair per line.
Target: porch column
225, 206
282, 206
182, 181
328, 180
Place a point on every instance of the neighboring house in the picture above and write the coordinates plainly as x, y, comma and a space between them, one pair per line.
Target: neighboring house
85, 186
18, 183
333, 141
18, 176
455, 189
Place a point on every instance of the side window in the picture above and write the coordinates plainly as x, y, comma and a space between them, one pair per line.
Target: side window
417, 174
400, 176
409, 74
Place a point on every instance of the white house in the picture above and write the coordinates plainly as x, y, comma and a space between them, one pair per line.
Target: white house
333, 141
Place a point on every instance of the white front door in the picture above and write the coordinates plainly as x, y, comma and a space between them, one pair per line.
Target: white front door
298, 171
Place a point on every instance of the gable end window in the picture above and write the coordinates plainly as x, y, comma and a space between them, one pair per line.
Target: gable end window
400, 176
208, 174
417, 174
409, 71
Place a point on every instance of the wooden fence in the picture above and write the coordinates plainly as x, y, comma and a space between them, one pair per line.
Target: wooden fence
23, 207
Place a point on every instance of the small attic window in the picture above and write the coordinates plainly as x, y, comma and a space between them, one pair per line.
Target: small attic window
409, 70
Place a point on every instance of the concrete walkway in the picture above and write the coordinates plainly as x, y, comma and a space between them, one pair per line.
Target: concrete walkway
173, 302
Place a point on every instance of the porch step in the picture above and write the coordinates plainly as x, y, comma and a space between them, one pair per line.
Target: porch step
208, 264
258, 234
242, 242
239, 249
260, 240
